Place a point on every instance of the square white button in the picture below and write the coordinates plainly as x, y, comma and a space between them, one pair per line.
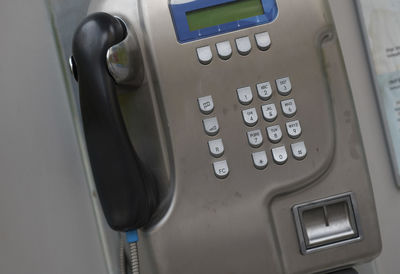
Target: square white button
263, 40
255, 138
206, 104
269, 112
289, 107
260, 159
274, 134
216, 148
243, 45
211, 126
250, 117
224, 50
264, 90
293, 129
299, 150
221, 169
205, 55
280, 155
284, 86
245, 95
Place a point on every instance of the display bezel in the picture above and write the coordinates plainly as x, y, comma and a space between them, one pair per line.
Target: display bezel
184, 34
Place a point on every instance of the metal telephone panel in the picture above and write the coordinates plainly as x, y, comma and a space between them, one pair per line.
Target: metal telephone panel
253, 137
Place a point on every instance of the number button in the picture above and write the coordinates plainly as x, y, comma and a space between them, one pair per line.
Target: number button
299, 150
280, 155
289, 107
260, 159
274, 134
284, 86
264, 90
211, 126
245, 95
255, 138
206, 104
221, 169
293, 129
250, 117
216, 148
269, 112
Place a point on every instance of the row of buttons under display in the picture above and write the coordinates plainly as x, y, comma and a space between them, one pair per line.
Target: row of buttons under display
260, 159
224, 49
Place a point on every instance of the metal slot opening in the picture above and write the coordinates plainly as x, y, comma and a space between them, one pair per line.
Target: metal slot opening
327, 222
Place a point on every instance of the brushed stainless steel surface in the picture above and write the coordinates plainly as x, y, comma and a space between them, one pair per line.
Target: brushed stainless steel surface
243, 224
124, 60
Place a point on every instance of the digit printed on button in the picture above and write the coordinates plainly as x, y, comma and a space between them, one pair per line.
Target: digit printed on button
269, 112
293, 129
255, 138
250, 117
274, 134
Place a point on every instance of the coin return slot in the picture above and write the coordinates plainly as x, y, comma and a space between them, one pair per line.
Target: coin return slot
326, 223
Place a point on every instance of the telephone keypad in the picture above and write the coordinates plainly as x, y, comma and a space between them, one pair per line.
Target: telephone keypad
243, 45
250, 117
289, 107
206, 104
245, 95
284, 86
264, 90
280, 155
299, 150
211, 126
260, 159
221, 169
269, 112
255, 138
293, 129
274, 134
216, 148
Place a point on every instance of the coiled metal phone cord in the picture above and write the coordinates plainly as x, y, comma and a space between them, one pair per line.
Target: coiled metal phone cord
133, 255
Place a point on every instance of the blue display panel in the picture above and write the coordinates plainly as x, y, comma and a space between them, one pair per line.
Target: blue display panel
184, 34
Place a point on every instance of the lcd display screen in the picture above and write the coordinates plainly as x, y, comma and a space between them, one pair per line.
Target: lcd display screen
225, 13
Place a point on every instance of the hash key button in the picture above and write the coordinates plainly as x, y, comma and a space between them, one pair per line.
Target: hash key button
293, 129
206, 104
299, 150
221, 169
260, 159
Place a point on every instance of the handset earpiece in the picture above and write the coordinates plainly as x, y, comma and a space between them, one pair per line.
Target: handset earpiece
127, 190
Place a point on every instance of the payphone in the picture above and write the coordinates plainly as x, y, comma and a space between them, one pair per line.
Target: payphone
226, 131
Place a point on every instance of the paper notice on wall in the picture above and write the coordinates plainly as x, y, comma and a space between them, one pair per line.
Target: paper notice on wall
381, 20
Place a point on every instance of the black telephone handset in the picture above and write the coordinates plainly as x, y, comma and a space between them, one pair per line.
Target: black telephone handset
127, 190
